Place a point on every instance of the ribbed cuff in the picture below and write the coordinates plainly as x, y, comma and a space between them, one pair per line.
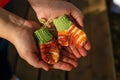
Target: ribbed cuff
62, 23
43, 35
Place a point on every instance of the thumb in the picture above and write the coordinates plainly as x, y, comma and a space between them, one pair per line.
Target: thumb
34, 60
36, 25
77, 15
32, 24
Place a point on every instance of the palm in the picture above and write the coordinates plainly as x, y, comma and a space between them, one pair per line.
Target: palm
27, 49
26, 46
55, 8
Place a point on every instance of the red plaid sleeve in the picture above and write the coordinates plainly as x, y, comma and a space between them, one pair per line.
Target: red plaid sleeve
3, 2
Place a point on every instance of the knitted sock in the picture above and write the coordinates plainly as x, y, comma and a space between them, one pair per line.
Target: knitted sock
69, 33
48, 45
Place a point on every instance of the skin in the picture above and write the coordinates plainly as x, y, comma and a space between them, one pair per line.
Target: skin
20, 33
46, 8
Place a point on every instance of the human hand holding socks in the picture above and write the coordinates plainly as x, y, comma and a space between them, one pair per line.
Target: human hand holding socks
69, 33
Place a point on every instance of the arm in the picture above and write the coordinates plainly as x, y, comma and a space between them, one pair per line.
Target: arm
9, 24
20, 33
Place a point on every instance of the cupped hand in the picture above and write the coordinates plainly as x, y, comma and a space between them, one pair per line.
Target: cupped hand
25, 44
50, 9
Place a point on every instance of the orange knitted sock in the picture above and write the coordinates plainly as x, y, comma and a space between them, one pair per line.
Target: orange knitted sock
69, 33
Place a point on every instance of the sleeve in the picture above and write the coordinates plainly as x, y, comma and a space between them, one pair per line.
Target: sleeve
3, 2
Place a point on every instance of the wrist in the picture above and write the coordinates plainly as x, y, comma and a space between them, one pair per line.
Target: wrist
9, 25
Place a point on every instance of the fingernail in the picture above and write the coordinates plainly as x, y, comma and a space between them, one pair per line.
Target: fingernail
46, 69
75, 65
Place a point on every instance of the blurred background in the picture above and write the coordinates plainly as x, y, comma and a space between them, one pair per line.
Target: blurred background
114, 19
102, 25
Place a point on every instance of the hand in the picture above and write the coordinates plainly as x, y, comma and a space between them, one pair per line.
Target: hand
27, 49
26, 46
67, 60
50, 9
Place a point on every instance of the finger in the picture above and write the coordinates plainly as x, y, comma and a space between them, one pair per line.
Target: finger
77, 15
36, 26
34, 60
63, 66
67, 49
87, 46
68, 54
82, 51
75, 52
69, 60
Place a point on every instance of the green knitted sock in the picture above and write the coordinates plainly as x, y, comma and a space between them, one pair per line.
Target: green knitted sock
43, 35
48, 45
62, 23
